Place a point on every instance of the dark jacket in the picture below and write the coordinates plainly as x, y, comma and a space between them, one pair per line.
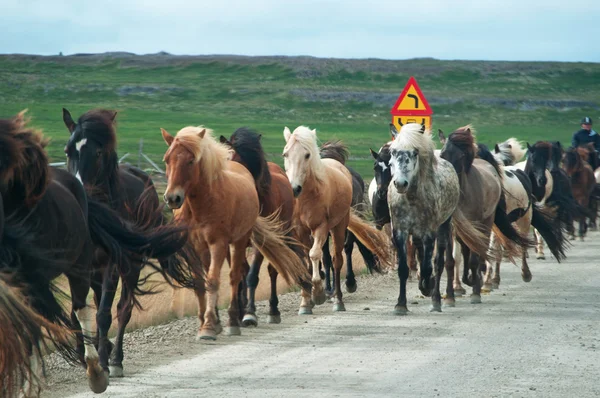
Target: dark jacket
583, 137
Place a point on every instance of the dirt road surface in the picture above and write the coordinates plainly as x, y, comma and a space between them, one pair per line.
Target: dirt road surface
537, 339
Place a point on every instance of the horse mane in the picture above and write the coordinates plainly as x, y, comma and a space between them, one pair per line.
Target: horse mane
484, 153
307, 138
573, 160
411, 137
511, 151
99, 126
246, 143
335, 149
213, 154
464, 139
23, 159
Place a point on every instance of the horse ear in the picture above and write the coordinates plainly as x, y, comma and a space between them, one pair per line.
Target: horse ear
287, 134
114, 115
529, 147
314, 131
422, 131
558, 145
259, 136
68, 120
496, 148
393, 130
167, 137
374, 154
202, 133
468, 130
441, 136
224, 140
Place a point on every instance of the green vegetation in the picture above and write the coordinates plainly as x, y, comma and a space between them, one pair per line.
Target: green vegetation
346, 99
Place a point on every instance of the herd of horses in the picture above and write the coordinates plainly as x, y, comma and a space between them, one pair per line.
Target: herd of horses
100, 222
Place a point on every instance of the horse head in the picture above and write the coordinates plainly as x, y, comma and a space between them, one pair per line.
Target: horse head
382, 169
539, 159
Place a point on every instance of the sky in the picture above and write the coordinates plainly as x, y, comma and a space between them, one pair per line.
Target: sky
512, 30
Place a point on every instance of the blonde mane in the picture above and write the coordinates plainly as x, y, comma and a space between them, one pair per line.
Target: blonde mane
513, 148
307, 139
410, 137
212, 154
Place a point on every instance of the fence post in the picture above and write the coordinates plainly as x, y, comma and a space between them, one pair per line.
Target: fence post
140, 153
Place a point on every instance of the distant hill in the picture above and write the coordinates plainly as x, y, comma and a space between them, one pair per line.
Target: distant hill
346, 98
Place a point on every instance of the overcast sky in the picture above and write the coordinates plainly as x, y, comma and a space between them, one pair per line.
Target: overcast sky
544, 30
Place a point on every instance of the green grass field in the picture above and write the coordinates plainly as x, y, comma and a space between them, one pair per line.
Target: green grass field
346, 99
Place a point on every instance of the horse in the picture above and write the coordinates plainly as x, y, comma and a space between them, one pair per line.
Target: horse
483, 202
338, 151
323, 188
275, 197
583, 181
509, 152
92, 159
52, 228
524, 212
219, 198
590, 156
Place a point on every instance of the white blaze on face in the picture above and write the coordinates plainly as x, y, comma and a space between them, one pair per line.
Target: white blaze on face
383, 166
295, 164
79, 177
79, 144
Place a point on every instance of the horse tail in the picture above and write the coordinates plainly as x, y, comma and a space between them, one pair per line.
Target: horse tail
374, 240
273, 241
472, 234
21, 336
335, 149
510, 239
369, 258
550, 229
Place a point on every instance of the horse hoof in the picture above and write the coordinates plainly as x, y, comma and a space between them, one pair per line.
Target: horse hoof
305, 311
339, 307
449, 302
475, 299
115, 371
250, 320
207, 334
487, 288
526, 277
329, 292
276, 319
351, 288
98, 379
400, 310
540, 256
459, 292
436, 307
496, 285
233, 331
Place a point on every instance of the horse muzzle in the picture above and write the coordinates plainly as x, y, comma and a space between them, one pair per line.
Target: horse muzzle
401, 186
174, 199
297, 190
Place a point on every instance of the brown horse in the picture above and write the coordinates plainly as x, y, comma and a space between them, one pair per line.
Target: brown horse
583, 181
323, 188
276, 197
218, 197
590, 156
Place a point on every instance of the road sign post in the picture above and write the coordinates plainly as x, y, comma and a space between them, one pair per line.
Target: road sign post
411, 107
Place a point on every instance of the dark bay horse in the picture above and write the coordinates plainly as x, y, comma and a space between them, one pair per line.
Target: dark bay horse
92, 158
275, 195
338, 151
50, 227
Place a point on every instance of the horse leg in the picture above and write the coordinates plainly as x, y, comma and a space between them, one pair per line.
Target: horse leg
250, 318
492, 280
242, 296
124, 310
316, 253
104, 314
327, 263
348, 248
412, 259
424, 248
399, 239
539, 248
235, 277
450, 264
442, 241
466, 254
211, 325
475, 262
582, 227
79, 284
458, 259
274, 314
338, 235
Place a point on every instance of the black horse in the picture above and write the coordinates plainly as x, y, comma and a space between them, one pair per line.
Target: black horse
383, 177
92, 158
50, 228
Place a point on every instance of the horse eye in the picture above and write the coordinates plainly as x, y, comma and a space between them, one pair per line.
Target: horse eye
191, 162
307, 156
98, 152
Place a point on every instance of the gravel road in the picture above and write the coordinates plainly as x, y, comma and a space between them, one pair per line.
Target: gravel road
537, 339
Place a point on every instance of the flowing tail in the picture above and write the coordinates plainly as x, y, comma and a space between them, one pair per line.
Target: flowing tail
21, 336
550, 229
374, 240
472, 234
510, 239
273, 241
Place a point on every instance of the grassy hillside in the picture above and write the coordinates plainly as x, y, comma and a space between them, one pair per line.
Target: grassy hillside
347, 99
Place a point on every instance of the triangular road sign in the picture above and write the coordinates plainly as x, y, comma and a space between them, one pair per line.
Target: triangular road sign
411, 101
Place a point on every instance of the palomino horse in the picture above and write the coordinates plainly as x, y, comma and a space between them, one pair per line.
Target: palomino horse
482, 200
524, 213
422, 197
51, 227
218, 198
92, 157
338, 151
323, 188
583, 181
276, 197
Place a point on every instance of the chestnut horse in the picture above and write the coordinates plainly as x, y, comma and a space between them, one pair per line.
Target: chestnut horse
275, 196
323, 188
218, 197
